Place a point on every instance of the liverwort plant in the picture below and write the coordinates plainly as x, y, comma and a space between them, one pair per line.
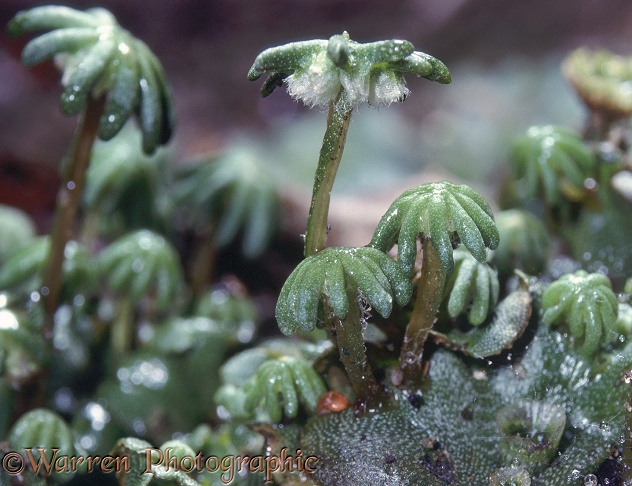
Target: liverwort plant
22, 273
454, 375
587, 304
341, 74
337, 281
524, 244
107, 75
292, 378
221, 196
441, 215
472, 285
554, 162
601, 80
331, 284
136, 265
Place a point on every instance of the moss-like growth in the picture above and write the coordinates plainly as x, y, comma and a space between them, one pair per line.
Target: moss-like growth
601, 79
292, 380
586, 303
524, 245
443, 212
473, 285
343, 277
98, 57
140, 263
553, 161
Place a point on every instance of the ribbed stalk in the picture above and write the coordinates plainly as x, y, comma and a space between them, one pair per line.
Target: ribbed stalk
427, 302
328, 162
369, 394
68, 200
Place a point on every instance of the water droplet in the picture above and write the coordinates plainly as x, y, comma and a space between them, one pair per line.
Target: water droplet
64, 399
590, 480
70, 185
139, 426
111, 118
603, 425
137, 265
8, 320
622, 439
123, 48
590, 184
575, 474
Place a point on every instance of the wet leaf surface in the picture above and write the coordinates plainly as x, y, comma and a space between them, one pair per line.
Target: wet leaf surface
459, 412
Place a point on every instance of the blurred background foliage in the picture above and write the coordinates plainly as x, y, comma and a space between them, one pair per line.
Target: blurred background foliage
504, 57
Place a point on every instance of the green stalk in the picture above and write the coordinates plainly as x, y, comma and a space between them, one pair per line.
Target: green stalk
203, 264
68, 200
90, 230
427, 302
328, 162
369, 394
122, 334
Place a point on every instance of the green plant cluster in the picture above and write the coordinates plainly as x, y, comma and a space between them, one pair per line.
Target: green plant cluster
443, 212
342, 276
587, 304
473, 285
101, 57
465, 356
317, 70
